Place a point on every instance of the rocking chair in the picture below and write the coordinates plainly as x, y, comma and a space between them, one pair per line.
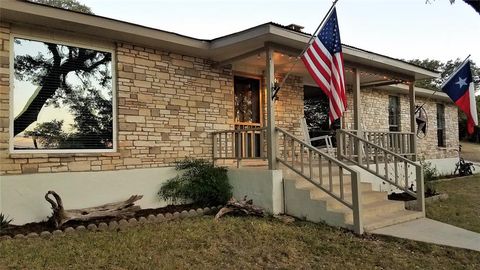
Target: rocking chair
328, 147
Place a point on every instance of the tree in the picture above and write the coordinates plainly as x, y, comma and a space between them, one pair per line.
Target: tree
65, 4
446, 70
475, 4
50, 73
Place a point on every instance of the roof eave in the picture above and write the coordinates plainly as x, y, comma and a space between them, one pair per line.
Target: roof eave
217, 49
102, 27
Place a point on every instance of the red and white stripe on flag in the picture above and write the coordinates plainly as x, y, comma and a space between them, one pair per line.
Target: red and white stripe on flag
324, 61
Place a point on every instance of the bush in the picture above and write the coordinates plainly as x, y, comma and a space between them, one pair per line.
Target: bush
200, 183
429, 174
4, 222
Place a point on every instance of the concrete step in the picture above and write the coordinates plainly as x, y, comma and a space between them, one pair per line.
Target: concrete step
347, 189
372, 210
391, 218
325, 173
305, 200
332, 203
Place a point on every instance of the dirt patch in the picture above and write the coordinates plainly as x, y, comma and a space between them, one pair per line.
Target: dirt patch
39, 227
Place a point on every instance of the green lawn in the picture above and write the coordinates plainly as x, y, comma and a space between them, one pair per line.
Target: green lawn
232, 243
462, 208
470, 151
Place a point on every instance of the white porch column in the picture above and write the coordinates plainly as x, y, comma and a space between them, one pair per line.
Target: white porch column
357, 117
413, 123
271, 136
356, 101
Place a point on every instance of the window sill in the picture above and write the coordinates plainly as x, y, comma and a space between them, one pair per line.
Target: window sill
62, 155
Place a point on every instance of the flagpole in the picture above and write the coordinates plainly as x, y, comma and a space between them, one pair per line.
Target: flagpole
276, 89
443, 84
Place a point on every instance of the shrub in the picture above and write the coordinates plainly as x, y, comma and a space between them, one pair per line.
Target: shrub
429, 174
200, 182
4, 222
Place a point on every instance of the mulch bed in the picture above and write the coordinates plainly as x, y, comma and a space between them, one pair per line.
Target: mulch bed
38, 227
407, 197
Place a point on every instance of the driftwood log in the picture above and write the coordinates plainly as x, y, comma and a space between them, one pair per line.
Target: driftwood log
119, 209
243, 207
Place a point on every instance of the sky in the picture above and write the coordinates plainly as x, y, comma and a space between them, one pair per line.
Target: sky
404, 29
26, 89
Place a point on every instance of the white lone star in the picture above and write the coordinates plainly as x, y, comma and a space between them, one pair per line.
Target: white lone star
461, 82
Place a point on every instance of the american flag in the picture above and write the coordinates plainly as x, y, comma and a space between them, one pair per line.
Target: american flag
324, 61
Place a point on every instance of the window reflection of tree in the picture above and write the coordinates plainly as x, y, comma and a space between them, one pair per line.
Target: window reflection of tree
69, 77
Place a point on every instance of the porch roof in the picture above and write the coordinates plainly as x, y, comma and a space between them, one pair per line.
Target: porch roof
233, 47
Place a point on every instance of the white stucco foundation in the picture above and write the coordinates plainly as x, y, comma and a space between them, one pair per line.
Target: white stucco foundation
264, 187
22, 196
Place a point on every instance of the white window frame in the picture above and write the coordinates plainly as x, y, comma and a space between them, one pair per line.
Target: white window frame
59, 41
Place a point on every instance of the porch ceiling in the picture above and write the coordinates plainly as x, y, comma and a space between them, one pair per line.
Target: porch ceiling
284, 61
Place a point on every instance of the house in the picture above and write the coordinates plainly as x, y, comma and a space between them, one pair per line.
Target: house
98, 109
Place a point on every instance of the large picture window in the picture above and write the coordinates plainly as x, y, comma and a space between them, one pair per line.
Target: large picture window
62, 98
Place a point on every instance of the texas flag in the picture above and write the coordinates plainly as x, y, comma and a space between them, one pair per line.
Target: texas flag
459, 87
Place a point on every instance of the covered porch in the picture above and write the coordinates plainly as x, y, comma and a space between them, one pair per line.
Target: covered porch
279, 144
364, 72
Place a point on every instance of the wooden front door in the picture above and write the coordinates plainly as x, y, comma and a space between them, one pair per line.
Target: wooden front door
248, 114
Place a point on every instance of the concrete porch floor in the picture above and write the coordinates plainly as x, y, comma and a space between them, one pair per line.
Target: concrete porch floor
432, 231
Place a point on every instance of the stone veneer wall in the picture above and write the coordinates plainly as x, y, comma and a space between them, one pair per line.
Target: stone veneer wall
374, 110
428, 146
5, 165
289, 105
167, 105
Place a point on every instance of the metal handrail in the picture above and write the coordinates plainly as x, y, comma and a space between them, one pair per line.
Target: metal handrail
361, 144
397, 141
355, 205
239, 130
325, 155
379, 147
240, 145
380, 131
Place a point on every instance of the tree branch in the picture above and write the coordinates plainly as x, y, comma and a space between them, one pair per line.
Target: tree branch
52, 81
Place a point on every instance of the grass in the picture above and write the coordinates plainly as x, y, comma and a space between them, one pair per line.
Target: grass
253, 243
231, 243
470, 151
462, 208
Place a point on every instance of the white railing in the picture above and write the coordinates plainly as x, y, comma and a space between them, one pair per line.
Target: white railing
323, 171
239, 144
390, 166
395, 141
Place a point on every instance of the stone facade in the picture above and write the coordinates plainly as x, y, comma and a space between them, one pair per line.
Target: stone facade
428, 146
289, 105
374, 111
167, 106
5, 164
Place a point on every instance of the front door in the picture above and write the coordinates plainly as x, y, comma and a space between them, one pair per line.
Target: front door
248, 115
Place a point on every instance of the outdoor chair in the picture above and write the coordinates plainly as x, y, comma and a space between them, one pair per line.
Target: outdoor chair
328, 145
